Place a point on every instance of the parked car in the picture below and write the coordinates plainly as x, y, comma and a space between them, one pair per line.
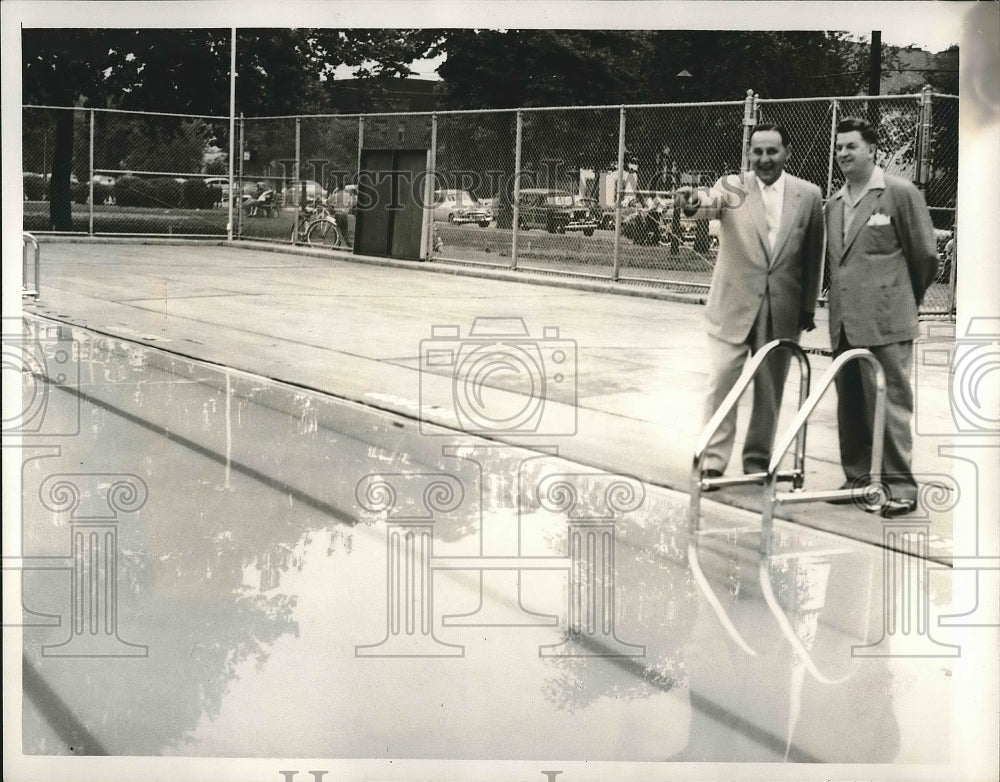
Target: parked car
344, 200
460, 206
104, 179
647, 218
293, 192
557, 211
605, 218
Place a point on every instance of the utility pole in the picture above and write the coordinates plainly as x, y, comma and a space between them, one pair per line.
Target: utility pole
874, 76
875, 63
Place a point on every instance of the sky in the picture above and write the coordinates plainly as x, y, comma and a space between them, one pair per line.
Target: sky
932, 37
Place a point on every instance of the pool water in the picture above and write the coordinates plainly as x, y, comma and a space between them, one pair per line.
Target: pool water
216, 564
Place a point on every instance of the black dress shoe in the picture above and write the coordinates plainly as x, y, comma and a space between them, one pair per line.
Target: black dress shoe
893, 508
711, 474
857, 483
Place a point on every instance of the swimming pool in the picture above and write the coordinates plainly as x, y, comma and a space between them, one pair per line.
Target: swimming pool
214, 564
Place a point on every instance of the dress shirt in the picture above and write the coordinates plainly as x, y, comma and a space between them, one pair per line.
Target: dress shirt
875, 182
773, 196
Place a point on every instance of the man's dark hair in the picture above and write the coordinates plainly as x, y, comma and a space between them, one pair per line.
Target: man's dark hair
781, 130
850, 124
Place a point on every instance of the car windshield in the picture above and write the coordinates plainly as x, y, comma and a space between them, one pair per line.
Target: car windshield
457, 197
562, 199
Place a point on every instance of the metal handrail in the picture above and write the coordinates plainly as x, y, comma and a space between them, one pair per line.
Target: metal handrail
698, 483
794, 433
25, 290
772, 496
797, 474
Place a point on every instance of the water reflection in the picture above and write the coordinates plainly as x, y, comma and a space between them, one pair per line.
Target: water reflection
262, 562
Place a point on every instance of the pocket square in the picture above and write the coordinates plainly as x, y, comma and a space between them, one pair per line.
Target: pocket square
879, 219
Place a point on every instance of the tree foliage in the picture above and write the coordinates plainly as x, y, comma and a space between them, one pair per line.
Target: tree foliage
524, 68
280, 71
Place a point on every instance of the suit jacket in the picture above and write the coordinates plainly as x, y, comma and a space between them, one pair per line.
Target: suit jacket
747, 272
878, 276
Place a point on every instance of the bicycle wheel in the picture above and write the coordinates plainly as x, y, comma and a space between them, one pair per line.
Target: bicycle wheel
324, 233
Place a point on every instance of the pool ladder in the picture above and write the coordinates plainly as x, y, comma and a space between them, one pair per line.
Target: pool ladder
795, 433
27, 292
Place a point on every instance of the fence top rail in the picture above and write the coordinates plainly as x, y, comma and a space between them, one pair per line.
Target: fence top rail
532, 109
142, 172
829, 99
126, 111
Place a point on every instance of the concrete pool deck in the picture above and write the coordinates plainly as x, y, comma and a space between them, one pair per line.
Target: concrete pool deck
358, 329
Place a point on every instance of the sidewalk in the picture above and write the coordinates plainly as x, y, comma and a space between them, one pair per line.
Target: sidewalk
357, 329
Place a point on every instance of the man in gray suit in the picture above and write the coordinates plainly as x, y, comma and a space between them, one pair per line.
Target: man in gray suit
764, 286
882, 257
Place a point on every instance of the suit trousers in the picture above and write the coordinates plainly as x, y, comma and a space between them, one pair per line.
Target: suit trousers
726, 362
856, 414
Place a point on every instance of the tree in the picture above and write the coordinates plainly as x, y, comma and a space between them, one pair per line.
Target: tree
535, 68
187, 71
523, 68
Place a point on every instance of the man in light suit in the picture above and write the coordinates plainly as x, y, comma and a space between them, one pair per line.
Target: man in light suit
882, 256
764, 286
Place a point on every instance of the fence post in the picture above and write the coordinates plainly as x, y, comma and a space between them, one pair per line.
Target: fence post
298, 148
924, 137
238, 205
91, 199
361, 144
833, 148
619, 185
516, 214
429, 184
749, 120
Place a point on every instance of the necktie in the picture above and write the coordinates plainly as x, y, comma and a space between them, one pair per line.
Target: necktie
770, 196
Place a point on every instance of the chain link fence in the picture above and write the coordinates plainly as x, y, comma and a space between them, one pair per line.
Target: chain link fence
131, 173
571, 191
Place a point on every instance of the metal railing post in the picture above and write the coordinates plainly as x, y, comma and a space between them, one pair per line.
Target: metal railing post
797, 474
91, 199
516, 214
869, 493
25, 291
619, 185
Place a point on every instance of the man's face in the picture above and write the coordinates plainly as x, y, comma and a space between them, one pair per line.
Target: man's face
767, 155
854, 154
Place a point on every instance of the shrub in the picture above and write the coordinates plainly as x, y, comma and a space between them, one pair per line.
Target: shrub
101, 193
198, 195
161, 192
168, 192
132, 191
35, 187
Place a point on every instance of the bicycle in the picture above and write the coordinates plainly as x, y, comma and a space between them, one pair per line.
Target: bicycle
316, 226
